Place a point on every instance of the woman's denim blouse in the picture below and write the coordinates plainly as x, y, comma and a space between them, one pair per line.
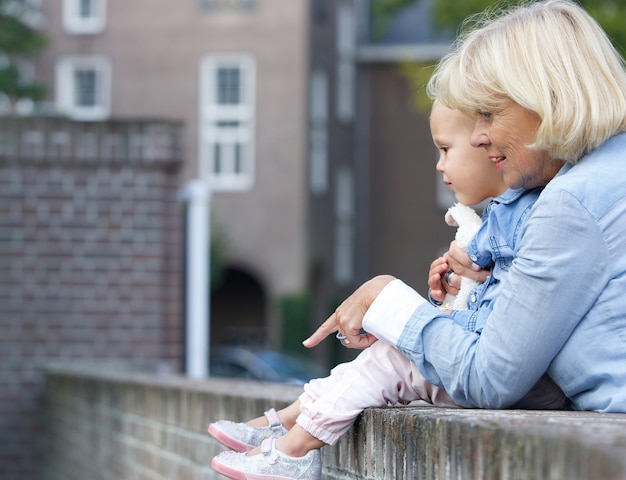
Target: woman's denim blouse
561, 309
493, 247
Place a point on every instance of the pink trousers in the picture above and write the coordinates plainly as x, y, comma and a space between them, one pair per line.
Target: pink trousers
378, 377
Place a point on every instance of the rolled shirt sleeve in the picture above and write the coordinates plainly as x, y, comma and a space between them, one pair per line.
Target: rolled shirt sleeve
388, 315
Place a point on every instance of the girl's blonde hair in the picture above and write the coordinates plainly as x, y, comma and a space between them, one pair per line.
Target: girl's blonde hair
550, 57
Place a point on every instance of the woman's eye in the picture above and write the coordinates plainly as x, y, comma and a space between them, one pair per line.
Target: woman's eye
485, 115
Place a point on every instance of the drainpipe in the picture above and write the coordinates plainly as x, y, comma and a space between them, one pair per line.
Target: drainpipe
196, 195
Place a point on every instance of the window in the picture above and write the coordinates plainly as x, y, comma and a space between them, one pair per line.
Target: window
344, 227
210, 5
346, 38
84, 16
318, 133
227, 121
83, 87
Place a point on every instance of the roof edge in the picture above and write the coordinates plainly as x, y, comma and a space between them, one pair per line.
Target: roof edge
398, 53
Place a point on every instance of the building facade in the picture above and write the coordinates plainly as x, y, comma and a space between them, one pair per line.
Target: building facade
235, 73
320, 168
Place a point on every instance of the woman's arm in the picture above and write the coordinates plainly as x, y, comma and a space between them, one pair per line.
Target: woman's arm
547, 293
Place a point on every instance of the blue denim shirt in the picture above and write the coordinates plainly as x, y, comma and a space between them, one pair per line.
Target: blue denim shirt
494, 246
562, 308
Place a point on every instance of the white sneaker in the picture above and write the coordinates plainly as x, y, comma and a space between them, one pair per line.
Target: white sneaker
271, 464
242, 438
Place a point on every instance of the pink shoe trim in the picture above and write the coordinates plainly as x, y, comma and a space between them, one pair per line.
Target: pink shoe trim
226, 470
229, 441
235, 474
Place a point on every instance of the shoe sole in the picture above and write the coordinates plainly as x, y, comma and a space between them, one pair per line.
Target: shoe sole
239, 475
229, 441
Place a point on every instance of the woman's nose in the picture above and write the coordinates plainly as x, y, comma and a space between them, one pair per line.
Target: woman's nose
479, 137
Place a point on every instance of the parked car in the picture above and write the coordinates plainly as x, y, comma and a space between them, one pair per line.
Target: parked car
263, 365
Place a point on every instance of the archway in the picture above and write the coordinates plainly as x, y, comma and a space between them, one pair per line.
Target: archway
238, 310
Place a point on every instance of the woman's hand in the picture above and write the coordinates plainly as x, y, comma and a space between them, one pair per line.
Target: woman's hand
348, 318
460, 263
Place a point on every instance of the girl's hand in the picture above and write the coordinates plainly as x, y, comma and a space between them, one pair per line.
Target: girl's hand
436, 284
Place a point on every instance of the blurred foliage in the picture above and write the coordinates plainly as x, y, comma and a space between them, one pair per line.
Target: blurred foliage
17, 37
295, 319
449, 14
20, 41
218, 253
297, 323
382, 12
418, 75
610, 15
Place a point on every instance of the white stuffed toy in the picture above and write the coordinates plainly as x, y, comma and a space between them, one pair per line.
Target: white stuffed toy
468, 223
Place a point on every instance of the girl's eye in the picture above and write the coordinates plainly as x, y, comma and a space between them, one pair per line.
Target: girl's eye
444, 149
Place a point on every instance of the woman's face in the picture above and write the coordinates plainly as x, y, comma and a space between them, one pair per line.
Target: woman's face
505, 134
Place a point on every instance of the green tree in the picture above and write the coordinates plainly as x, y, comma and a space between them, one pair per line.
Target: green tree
450, 14
20, 42
610, 15
382, 12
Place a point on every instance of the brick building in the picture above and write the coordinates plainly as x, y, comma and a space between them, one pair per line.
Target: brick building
315, 156
321, 171
90, 259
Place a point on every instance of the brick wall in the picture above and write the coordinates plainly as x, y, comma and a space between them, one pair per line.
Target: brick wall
90, 259
107, 425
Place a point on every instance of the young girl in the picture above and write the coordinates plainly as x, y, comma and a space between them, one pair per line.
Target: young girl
286, 444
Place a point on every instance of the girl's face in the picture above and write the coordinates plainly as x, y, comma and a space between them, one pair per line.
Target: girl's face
466, 170
505, 134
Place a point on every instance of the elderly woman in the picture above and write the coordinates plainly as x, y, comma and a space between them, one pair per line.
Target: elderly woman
548, 94
548, 91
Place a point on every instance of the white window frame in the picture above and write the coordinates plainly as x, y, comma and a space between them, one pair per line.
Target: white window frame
76, 23
227, 131
66, 100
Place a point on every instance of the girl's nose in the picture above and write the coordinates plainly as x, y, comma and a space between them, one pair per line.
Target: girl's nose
439, 165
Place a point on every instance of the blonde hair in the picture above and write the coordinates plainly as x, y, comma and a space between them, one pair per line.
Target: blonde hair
550, 57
